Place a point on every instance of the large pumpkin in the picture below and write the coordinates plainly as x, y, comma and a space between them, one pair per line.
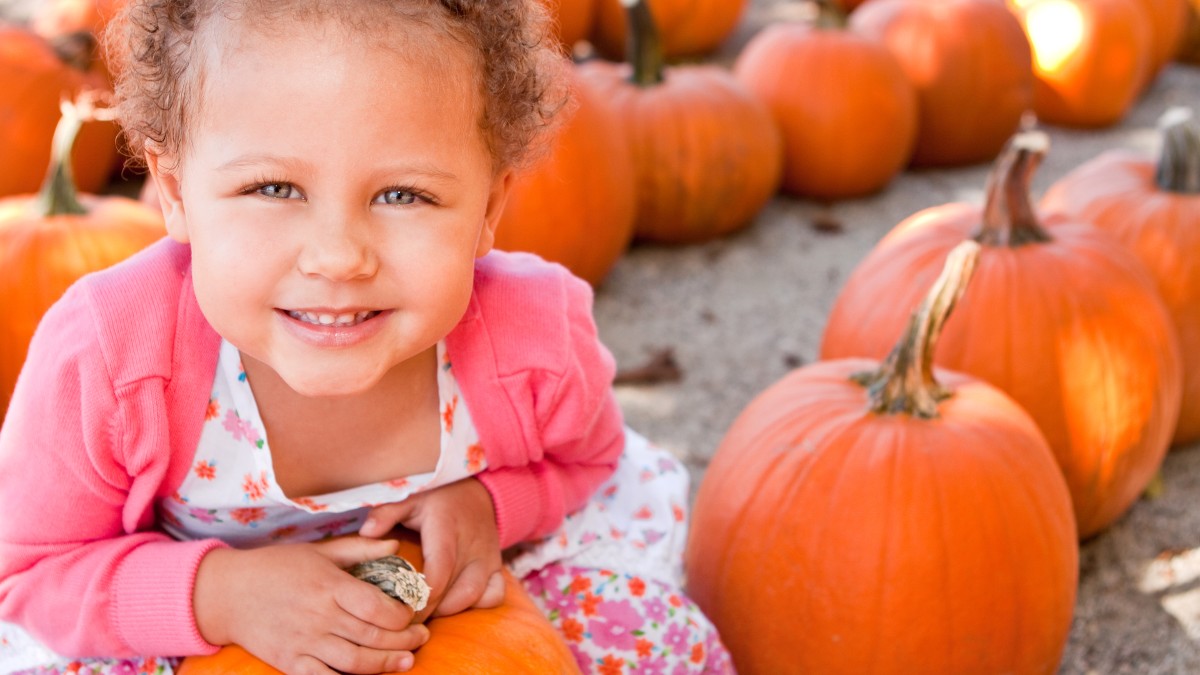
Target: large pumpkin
864, 519
1153, 207
1168, 21
512, 638
49, 240
1189, 47
577, 205
34, 78
688, 27
1060, 316
846, 109
970, 63
1089, 58
707, 153
573, 19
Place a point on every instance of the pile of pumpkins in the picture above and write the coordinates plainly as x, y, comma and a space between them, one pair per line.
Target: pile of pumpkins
873, 512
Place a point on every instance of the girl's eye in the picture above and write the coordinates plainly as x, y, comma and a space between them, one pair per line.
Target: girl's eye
278, 191
397, 197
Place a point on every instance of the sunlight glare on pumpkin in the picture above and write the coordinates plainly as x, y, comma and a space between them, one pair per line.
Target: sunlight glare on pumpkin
1055, 29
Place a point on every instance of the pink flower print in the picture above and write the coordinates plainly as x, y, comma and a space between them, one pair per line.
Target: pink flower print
285, 531
644, 513
178, 498
653, 536
655, 609
311, 504
678, 513
241, 429
611, 665
398, 483
254, 490
615, 626
697, 656
646, 476
249, 516
615, 533
588, 604
609, 492
475, 458
644, 648
580, 584
448, 414
588, 537
208, 516
667, 465
572, 630
170, 518
563, 603
650, 666
676, 638
581, 659
335, 526
124, 667
205, 470
637, 587
213, 410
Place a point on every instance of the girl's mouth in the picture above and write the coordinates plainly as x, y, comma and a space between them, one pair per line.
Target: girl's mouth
343, 320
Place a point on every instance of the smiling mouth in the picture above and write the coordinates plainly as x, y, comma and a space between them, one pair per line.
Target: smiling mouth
337, 320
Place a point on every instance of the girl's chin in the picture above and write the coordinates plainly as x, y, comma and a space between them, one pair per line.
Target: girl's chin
324, 385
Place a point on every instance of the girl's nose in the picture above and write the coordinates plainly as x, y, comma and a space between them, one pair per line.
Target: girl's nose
338, 247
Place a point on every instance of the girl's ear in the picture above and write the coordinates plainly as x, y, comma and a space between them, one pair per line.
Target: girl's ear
169, 194
497, 198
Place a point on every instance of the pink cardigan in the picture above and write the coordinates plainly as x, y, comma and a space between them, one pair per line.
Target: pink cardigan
108, 410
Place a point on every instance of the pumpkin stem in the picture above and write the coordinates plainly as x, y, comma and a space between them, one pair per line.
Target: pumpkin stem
830, 16
1179, 164
644, 51
77, 49
904, 382
59, 195
1009, 218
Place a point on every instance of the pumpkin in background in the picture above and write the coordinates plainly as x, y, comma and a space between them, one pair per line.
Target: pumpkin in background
573, 19
1189, 47
34, 79
49, 240
970, 63
1153, 207
688, 27
512, 638
1060, 316
1168, 20
886, 519
576, 206
1089, 58
707, 153
52, 18
846, 109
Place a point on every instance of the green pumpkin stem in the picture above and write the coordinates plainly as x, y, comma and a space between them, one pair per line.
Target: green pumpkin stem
904, 383
830, 16
1009, 218
644, 49
1179, 163
58, 195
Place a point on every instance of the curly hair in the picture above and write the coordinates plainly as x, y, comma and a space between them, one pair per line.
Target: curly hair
151, 47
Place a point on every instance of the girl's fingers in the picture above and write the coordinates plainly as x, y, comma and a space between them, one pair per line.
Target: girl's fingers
347, 657
348, 551
365, 602
366, 634
493, 595
382, 519
465, 590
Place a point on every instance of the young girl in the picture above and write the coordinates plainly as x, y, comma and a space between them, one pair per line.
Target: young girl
325, 347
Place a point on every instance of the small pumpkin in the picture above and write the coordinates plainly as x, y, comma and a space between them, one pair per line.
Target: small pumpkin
1153, 207
847, 111
573, 19
689, 28
576, 206
49, 240
970, 63
34, 78
707, 153
888, 519
512, 638
1060, 316
1168, 21
1089, 58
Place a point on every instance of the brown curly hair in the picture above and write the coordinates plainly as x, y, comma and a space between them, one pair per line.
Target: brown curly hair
151, 44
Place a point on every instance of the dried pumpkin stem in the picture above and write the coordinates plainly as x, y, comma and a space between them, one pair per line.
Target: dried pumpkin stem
1009, 218
905, 384
830, 16
644, 49
58, 195
1179, 163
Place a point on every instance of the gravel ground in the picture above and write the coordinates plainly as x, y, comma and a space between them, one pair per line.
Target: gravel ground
739, 313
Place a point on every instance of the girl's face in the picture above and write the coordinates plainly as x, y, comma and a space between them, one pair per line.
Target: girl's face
335, 194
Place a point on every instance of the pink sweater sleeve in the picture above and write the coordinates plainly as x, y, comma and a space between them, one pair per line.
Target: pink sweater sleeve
580, 432
81, 461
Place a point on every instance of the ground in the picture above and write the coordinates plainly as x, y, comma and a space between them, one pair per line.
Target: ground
739, 313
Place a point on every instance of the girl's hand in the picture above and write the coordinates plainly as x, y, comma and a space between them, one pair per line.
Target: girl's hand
459, 541
294, 607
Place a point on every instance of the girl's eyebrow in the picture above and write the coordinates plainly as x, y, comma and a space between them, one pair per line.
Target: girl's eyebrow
301, 167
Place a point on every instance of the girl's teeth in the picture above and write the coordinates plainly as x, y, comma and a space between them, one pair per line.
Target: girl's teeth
346, 319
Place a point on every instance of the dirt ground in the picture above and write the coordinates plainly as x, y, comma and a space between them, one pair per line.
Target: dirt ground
739, 313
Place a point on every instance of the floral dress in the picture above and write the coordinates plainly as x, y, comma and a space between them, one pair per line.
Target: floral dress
609, 579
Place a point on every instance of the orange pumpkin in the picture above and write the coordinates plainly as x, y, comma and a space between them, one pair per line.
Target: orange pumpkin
49, 240
688, 27
33, 80
573, 19
1153, 207
512, 638
860, 518
970, 63
1089, 58
1168, 20
1060, 316
846, 109
707, 154
576, 206
1189, 47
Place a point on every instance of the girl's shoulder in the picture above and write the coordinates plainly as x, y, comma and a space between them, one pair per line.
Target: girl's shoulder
523, 298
